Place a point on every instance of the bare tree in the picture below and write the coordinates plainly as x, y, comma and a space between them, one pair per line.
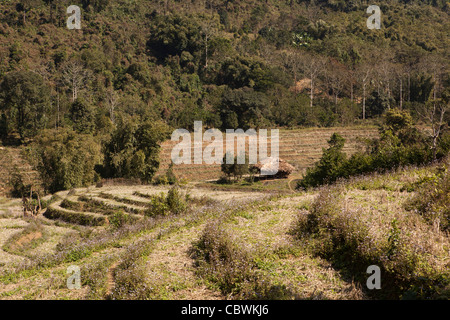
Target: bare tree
399, 71
433, 113
208, 30
292, 61
75, 76
30, 206
385, 74
364, 74
112, 99
437, 106
336, 76
437, 67
312, 66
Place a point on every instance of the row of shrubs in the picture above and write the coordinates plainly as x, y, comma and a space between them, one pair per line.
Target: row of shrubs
400, 144
407, 250
12, 245
123, 200
108, 208
87, 206
81, 218
84, 211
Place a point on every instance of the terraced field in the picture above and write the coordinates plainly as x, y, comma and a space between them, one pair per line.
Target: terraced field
253, 241
301, 148
226, 244
152, 257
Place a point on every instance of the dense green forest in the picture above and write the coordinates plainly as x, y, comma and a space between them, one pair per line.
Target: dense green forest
98, 101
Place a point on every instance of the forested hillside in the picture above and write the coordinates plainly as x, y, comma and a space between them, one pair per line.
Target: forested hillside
104, 97
93, 204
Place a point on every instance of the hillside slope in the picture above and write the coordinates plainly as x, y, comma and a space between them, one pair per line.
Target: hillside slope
301, 148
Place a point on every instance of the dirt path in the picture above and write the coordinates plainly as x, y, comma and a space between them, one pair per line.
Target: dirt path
110, 280
25, 239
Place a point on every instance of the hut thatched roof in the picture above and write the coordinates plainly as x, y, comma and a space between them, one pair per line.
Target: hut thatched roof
270, 165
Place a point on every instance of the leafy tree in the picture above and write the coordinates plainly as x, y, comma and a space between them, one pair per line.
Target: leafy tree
133, 151
234, 169
66, 159
328, 169
243, 72
377, 103
421, 87
82, 116
171, 35
97, 5
227, 168
25, 6
246, 107
25, 102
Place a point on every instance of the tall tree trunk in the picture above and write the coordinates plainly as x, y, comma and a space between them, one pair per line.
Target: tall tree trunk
57, 110
351, 92
206, 51
364, 101
409, 86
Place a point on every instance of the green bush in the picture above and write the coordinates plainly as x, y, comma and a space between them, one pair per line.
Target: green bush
432, 198
158, 206
400, 144
169, 178
74, 217
330, 166
161, 204
118, 219
176, 202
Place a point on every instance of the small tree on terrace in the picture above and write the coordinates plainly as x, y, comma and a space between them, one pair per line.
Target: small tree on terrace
236, 170
329, 168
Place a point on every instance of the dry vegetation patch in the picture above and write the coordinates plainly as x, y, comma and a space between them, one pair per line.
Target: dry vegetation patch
358, 224
249, 254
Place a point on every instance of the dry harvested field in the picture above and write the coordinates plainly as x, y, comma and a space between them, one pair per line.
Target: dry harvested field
225, 244
299, 147
155, 256
204, 240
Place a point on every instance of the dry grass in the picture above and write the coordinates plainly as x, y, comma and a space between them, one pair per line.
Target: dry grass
255, 253
356, 228
272, 265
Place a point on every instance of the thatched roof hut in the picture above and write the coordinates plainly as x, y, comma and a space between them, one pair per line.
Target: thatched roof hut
270, 166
